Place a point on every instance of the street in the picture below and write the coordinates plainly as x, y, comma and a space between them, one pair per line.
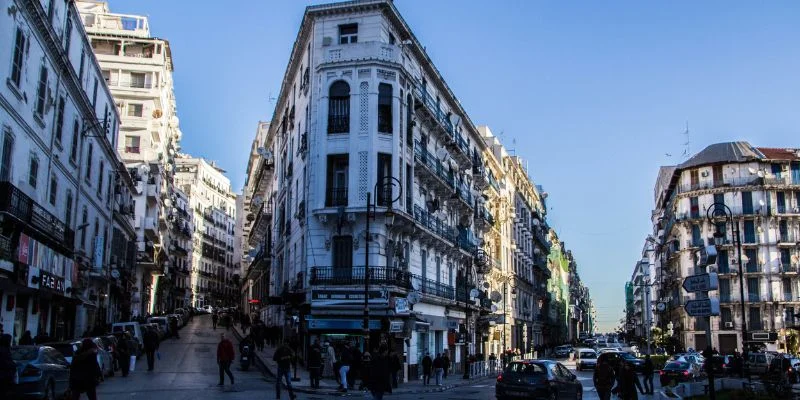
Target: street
188, 370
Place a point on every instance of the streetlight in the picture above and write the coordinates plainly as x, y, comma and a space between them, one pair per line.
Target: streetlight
720, 210
384, 199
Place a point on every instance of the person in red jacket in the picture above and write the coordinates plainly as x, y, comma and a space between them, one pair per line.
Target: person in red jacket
225, 357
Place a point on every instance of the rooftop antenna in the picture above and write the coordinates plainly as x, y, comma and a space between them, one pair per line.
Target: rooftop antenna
271, 98
513, 149
687, 151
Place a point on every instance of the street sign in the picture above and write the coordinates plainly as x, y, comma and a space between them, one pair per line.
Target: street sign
702, 308
701, 282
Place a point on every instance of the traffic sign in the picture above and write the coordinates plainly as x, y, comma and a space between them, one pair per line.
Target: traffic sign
701, 282
702, 308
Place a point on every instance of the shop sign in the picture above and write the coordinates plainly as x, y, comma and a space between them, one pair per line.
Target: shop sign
400, 305
51, 282
422, 327
36, 254
452, 324
98, 252
341, 297
396, 326
23, 249
47, 222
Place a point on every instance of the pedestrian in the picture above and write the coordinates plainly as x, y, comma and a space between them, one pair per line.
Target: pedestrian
438, 369
427, 363
446, 363
123, 353
173, 326
8, 369
629, 383
150, 346
344, 366
283, 356
84, 372
366, 364
315, 364
378, 381
26, 339
214, 319
647, 370
603, 378
394, 366
225, 357
330, 361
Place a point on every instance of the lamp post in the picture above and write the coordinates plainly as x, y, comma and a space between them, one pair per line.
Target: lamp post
383, 199
722, 211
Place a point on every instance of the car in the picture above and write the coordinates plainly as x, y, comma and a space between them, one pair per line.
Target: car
135, 330
42, 372
562, 351
67, 349
104, 357
608, 350
675, 372
184, 313
722, 365
537, 379
758, 363
783, 367
163, 323
638, 364
585, 358
180, 319
694, 358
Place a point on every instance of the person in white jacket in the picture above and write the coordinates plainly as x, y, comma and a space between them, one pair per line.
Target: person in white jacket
330, 359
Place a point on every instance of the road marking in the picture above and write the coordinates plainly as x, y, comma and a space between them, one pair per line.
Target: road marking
479, 386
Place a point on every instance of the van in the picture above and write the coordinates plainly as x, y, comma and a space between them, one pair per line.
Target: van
162, 322
585, 358
758, 363
135, 329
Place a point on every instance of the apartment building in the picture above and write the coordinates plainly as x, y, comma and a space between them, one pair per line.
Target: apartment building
137, 67
215, 276
760, 187
58, 173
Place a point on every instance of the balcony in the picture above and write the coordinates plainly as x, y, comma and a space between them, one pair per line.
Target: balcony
464, 195
152, 192
48, 227
756, 297
434, 225
150, 227
336, 197
483, 217
344, 276
786, 239
731, 183
432, 172
789, 297
428, 110
479, 174
362, 51
433, 288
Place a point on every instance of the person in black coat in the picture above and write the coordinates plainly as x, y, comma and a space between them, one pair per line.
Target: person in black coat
315, 364
378, 379
629, 383
123, 353
427, 364
8, 369
150, 347
26, 339
84, 372
395, 365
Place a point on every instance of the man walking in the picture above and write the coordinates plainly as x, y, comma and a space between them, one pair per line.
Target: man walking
446, 363
438, 369
344, 366
173, 326
394, 366
150, 347
315, 364
427, 363
225, 356
648, 370
378, 375
214, 319
603, 379
283, 356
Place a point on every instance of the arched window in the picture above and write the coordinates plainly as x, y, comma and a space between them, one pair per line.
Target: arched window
339, 108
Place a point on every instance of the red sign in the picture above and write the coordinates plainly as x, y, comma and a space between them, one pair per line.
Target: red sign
254, 301
23, 249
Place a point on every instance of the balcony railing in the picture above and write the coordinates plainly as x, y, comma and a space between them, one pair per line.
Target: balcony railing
443, 119
336, 197
338, 124
483, 213
431, 287
326, 275
434, 224
16, 203
436, 168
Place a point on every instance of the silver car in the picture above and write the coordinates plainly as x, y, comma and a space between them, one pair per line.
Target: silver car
104, 357
42, 372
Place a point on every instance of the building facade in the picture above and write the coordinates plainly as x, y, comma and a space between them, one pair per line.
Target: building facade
58, 174
137, 68
214, 273
761, 188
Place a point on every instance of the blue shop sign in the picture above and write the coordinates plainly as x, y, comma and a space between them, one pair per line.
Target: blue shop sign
342, 324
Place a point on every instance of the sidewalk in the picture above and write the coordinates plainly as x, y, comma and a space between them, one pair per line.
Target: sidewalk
329, 386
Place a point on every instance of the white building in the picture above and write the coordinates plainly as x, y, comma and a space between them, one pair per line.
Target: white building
214, 273
761, 187
138, 69
58, 168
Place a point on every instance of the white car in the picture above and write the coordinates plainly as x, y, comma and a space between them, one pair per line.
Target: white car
585, 358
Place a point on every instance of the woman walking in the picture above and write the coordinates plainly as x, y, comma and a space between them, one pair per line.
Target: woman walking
85, 373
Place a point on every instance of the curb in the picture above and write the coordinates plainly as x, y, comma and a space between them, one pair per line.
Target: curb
435, 389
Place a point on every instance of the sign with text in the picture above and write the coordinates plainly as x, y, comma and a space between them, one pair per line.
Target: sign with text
401, 305
702, 308
99, 247
51, 282
701, 282
342, 297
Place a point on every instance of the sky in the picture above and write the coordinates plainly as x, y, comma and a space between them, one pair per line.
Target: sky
595, 95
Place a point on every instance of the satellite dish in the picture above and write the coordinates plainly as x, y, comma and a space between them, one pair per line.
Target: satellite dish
441, 154
760, 173
761, 203
115, 273
474, 293
413, 298
494, 308
751, 170
455, 120
264, 152
496, 296
252, 253
258, 201
144, 169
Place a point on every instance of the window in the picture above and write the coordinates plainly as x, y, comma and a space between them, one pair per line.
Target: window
68, 33
385, 108
8, 152
339, 108
59, 121
68, 211
723, 267
384, 182
53, 190
337, 180
725, 290
749, 232
94, 93
100, 176
697, 241
137, 80
41, 92
33, 170
73, 150
409, 121
106, 119
135, 110
348, 33
751, 264
89, 163
755, 323
747, 203
19, 57
726, 318
694, 208
80, 67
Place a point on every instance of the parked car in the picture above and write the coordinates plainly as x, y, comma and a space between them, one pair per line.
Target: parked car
135, 329
722, 365
67, 349
42, 372
562, 351
163, 323
179, 318
693, 358
638, 363
678, 371
783, 367
585, 358
537, 379
758, 363
184, 313
104, 357
110, 344
608, 350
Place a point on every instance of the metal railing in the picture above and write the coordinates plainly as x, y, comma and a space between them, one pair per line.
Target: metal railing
336, 197
338, 124
485, 368
434, 224
435, 166
329, 275
438, 289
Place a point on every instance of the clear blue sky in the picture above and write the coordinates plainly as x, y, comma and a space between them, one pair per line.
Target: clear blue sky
594, 94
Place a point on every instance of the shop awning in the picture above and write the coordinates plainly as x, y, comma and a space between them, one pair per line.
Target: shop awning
341, 324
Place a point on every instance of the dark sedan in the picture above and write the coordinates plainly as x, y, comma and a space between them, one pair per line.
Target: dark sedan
43, 373
638, 363
677, 372
537, 379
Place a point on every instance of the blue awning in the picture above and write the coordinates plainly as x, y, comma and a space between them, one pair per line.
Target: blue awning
341, 324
